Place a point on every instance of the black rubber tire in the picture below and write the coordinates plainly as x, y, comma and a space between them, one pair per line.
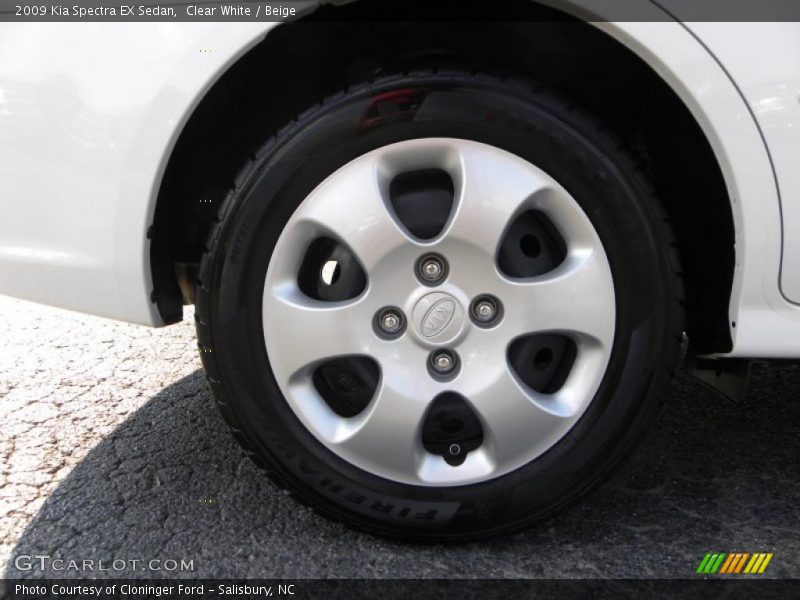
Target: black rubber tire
522, 118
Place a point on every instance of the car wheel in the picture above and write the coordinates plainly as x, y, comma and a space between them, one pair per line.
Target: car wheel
440, 305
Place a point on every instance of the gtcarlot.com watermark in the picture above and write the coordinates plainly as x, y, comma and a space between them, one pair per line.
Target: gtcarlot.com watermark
45, 562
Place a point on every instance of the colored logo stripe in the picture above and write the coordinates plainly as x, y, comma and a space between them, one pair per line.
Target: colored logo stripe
734, 562
758, 563
711, 563
726, 566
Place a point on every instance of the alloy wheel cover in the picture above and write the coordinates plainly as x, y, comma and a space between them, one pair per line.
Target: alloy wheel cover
492, 188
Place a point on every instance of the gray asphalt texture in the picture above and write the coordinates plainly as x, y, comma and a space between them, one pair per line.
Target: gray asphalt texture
112, 449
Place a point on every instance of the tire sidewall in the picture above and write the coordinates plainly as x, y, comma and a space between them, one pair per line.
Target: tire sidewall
535, 126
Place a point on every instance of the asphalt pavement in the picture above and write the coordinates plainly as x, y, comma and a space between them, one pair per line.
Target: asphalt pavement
113, 452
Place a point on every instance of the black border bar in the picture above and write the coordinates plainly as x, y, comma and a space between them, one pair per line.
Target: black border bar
398, 10
391, 589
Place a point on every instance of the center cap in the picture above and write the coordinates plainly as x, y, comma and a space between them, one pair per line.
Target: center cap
438, 317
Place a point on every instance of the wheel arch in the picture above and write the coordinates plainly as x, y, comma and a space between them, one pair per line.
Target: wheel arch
241, 109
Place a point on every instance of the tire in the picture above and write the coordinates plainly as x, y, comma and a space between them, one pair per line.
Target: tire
520, 124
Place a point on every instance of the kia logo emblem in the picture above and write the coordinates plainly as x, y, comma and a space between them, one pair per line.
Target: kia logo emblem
437, 317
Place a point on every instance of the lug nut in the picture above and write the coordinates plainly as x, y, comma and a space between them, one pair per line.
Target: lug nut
486, 310
390, 321
431, 268
443, 363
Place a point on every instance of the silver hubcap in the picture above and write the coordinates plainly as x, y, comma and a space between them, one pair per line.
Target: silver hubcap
492, 188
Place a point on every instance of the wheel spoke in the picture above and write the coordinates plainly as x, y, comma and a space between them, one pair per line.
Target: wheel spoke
351, 207
577, 297
312, 330
387, 434
516, 419
494, 188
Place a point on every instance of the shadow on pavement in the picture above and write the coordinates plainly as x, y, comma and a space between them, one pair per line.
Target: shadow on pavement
169, 483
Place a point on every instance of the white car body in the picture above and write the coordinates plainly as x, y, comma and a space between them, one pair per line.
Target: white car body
90, 113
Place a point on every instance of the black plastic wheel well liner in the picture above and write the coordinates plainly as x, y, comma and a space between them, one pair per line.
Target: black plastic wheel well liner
332, 49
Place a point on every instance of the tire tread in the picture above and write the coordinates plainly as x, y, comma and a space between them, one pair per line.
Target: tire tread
554, 103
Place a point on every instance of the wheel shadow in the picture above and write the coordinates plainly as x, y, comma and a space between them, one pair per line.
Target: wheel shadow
170, 484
